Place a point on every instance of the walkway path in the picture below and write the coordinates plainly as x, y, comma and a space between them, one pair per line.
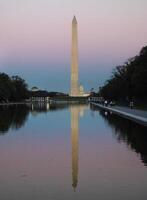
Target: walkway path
138, 116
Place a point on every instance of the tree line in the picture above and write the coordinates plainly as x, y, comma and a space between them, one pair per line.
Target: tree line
128, 81
12, 88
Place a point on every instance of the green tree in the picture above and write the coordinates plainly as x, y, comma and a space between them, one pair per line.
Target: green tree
129, 80
20, 88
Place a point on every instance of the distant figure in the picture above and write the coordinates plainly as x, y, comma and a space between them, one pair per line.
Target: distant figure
131, 104
105, 103
112, 103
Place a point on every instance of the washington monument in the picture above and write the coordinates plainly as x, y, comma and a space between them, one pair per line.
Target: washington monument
74, 59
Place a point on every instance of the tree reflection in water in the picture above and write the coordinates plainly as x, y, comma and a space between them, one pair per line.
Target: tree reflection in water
15, 116
12, 117
133, 134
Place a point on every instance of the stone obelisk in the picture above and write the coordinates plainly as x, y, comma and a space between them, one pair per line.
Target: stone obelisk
74, 59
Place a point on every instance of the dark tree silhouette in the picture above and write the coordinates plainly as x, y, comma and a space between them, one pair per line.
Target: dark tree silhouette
129, 80
12, 88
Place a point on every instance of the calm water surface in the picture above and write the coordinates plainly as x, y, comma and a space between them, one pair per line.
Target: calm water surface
70, 152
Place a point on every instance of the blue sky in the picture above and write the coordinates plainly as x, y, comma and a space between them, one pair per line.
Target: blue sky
36, 39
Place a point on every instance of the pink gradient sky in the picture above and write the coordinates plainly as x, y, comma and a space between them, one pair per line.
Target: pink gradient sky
36, 35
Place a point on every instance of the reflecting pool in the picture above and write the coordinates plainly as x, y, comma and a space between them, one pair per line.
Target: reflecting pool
70, 151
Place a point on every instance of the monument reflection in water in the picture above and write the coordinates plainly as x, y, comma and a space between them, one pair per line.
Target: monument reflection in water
41, 156
76, 112
17, 116
75, 144
134, 135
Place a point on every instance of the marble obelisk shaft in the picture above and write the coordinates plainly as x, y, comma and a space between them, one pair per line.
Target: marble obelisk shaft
74, 57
